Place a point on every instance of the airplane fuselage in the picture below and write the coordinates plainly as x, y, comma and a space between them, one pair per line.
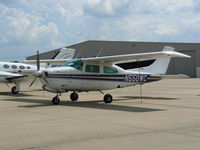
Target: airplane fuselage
17, 67
72, 80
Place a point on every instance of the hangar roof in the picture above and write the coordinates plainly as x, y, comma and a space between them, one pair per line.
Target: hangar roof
106, 48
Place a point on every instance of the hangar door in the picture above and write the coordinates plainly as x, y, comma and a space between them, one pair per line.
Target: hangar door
183, 65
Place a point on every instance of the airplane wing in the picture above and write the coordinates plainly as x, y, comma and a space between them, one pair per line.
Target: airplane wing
10, 77
165, 53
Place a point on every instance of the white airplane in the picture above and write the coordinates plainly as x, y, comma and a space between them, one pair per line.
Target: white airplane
15, 73
12, 72
101, 73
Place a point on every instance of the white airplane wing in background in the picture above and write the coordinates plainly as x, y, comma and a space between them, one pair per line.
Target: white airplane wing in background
10, 77
64, 55
167, 52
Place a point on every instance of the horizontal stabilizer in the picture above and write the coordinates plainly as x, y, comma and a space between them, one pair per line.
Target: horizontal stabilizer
159, 77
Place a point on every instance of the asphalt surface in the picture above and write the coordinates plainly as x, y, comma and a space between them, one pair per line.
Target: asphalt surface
167, 118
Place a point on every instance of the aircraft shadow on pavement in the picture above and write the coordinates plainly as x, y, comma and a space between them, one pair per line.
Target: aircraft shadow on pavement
147, 97
21, 94
16, 95
84, 104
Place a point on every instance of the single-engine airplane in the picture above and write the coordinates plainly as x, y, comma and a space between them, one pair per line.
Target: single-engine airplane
101, 73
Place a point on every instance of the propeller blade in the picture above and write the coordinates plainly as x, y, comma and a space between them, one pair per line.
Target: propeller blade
38, 61
33, 82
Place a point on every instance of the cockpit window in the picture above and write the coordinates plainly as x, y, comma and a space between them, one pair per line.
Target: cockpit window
77, 64
108, 69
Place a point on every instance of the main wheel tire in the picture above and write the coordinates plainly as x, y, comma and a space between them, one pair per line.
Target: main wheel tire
108, 98
14, 90
74, 96
56, 100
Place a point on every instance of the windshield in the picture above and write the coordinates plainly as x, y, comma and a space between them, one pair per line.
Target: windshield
77, 64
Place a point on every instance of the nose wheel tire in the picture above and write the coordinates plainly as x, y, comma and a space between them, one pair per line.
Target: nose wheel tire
108, 98
56, 100
14, 90
74, 96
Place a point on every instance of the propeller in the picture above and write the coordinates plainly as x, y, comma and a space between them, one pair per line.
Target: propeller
33, 81
36, 73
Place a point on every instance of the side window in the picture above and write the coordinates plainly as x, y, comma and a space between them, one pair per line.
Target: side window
28, 67
107, 69
21, 67
92, 68
6, 66
14, 67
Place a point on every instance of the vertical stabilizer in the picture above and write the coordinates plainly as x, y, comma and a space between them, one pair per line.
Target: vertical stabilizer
65, 53
159, 66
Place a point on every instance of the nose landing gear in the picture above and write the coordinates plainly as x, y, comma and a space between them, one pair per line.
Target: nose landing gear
56, 100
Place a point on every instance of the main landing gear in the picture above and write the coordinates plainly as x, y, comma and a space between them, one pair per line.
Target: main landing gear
108, 98
56, 100
74, 97
15, 89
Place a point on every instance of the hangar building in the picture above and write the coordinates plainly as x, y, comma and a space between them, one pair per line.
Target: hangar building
186, 66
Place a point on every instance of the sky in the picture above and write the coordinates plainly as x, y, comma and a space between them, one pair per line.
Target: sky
30, 25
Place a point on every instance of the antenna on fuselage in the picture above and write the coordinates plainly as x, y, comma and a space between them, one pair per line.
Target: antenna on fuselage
38, 67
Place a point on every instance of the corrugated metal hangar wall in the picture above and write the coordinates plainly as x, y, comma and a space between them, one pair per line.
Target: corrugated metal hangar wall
186, 66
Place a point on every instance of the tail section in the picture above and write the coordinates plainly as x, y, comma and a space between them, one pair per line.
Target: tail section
159, 66
65, 53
